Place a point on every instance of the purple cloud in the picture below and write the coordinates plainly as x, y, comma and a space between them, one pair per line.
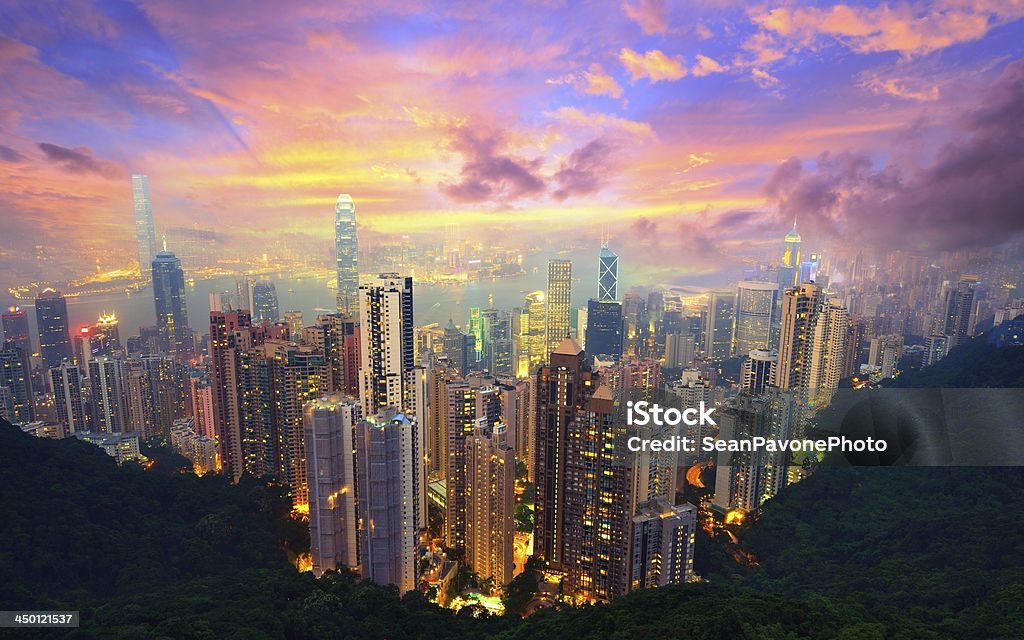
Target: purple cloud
489, 172
79, 160
585, 169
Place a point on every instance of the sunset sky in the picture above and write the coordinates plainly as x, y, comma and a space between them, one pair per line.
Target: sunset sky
695, 129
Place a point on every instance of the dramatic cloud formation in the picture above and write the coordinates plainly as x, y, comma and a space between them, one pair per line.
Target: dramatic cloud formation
585, 170
489, 172
8, 154
654, 65
971, 195
78, 160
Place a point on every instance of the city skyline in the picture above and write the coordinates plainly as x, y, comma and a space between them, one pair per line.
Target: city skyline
693, 136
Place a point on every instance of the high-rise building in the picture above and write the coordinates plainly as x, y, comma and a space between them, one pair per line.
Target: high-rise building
558, 298
107, 326
386, 342
459, 348
608, 276
293, 318
531, 338
201, 394
490, 503
959, 306
496, 336
663, 538
854, 347
744, 480
337, 336
16, 329
347, 253
387, 477
66, 380
460, 403
790, 269
145, 232
264, 302
758, 371
680, 350
109, 401
935, 349
604, 330
52, 322
171, 309
583, 484
828, 350
884, 353
756, 303
225, 341
799, 314
16, 383
718, 326
329, 426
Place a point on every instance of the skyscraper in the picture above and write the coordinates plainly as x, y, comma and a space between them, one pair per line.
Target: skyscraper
531, 338
387, 346
347, 253
608, 276
329, 424
16, 329
109, 402
387, 475
756, 304
663, 537
583, 484
718, 327
52, 322
459, 348
604, 330
959, 306
264, 302
16, 381
790, 269
828, 350
490, 501
66, 380
799, 313
558, 298
758, 371
171, 310
145, 232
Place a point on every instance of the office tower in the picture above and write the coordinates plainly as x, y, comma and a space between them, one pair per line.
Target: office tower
663, 538
201, 395
581, 324
558, 296
52, 323
719, 325
475, 329
531, 334
799, 312
329, 424
583, 484
756, 303
959, 305
264, 302
680, 350
386, 341
884, 354
66, 381
145, 232
744, 480
387, 475
171, 309
490, 503
107, 326
496, 335
347, 253
16, 329
935, 349
758, 371
828, 351
109, 402
608, 276
15, 383
789, 271
296, 376
604, 331
459, 348
854, 347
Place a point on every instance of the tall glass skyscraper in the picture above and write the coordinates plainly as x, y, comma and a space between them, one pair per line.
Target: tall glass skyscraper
756, 303
52, 321
264, 302
145, 232
347, 253
604, 330
608, 276
558, 298
16, 330
169, 299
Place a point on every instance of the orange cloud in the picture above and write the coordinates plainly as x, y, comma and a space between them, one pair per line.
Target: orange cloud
651, 15
706, 66
653, 65
593, 81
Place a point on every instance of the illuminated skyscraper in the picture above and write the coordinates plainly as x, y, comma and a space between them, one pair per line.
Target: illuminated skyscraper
347, 253
799, 314
758, 371
604, 330
264, 302
790, 260
386, 343
496, 351
109, 401
608, 276
16, 329
145, 232
663, 537
16, 381
531, 334
756, 303
52, 322
490, 503
959, 306
66, 380
828, 350
171, 309
388, 477
329, 425
558, 298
